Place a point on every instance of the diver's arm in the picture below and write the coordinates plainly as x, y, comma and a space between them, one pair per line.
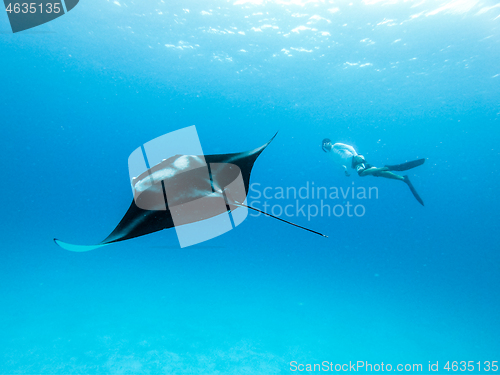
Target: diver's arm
346, 172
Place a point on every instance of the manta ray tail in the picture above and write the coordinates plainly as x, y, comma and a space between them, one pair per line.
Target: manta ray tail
277, 218
77, 248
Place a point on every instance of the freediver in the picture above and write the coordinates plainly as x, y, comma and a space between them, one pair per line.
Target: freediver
345, 154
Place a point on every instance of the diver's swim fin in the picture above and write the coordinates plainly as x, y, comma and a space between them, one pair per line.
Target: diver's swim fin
406, 166
415, 194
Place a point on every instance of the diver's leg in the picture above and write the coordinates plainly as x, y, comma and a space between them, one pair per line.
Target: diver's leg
406, 166
390, 175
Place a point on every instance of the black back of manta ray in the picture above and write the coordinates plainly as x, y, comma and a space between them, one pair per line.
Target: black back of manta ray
177, 191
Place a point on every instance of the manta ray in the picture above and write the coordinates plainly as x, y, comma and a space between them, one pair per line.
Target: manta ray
184, 189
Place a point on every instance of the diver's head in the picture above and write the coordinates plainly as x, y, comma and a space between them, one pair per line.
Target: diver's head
358, 159
326, 145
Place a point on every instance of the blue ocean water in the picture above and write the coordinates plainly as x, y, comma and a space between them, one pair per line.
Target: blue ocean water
400, 284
